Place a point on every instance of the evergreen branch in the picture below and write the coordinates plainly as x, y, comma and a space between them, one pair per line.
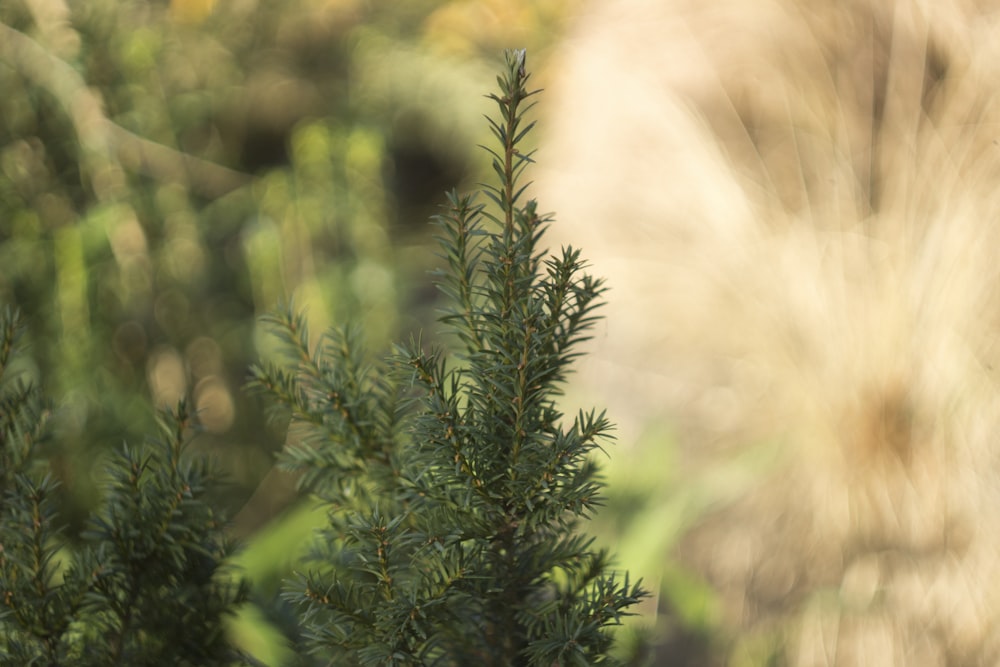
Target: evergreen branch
460, 233
350, 411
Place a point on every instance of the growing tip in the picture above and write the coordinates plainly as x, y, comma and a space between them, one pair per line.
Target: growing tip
519, 56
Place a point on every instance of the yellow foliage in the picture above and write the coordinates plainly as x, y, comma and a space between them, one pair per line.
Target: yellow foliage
191, 11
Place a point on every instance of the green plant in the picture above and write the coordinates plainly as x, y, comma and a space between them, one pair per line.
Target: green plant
146, 584
455, 486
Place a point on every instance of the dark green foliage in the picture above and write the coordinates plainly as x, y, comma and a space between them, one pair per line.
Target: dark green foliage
455, 486
144, 587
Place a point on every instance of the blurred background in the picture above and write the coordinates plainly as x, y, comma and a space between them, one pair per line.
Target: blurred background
793, 201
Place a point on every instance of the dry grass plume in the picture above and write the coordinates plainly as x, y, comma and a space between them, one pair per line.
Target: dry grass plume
797, 205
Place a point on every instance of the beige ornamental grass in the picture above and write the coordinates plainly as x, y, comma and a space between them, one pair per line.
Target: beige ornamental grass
797, 207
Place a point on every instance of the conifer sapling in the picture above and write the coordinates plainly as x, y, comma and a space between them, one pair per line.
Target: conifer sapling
455, 486
145, 584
